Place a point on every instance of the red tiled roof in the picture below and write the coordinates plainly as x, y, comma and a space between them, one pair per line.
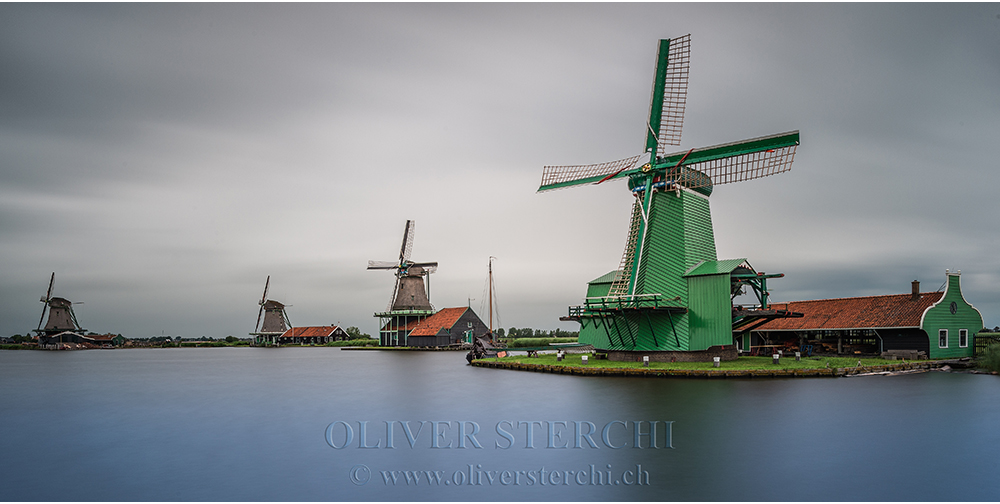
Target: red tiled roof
309, 332
444, 319
895, 310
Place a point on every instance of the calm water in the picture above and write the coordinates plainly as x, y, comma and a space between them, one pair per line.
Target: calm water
251, 424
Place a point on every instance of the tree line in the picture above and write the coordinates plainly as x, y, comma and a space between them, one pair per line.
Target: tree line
528, 332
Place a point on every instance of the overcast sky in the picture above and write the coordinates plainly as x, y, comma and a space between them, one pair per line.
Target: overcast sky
163, 160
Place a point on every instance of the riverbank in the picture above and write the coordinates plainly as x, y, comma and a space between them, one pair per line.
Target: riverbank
409, 349
744, 367
194, 344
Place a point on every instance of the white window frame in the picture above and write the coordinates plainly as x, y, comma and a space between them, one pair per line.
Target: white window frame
943, 332
963, 338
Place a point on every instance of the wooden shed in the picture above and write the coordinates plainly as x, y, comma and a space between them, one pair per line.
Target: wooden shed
312, 335
449, 326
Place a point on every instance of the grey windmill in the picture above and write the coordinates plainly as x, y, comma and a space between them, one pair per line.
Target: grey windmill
410, 300
61, 316
275, 319
409, 292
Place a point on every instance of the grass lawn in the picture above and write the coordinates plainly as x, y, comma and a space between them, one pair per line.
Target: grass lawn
763, 363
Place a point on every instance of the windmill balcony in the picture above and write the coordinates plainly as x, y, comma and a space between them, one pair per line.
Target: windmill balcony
394, 313
638, 302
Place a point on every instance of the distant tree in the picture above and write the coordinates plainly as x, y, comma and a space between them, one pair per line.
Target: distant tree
500, 332
230, 339
354, 333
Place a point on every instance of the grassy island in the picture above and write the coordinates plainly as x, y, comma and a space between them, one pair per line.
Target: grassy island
743, 367
761, 363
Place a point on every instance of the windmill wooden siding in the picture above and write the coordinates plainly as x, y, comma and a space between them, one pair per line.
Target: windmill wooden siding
710, 310
680, 236
898, 322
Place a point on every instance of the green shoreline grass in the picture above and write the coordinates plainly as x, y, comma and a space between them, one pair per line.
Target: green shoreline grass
742, 363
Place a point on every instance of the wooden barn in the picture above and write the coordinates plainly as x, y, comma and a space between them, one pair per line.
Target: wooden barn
312, 335
82, 340
934, 325
449, 326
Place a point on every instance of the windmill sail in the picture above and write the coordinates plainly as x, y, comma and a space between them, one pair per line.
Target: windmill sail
263, 299
45, 300
735, 161
557, 177
669, 96
407, 247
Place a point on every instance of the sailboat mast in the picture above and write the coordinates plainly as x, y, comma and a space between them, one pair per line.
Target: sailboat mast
491, 296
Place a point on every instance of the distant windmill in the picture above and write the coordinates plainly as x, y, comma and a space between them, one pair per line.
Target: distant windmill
275, 318
410, 301
409, 292
61, 316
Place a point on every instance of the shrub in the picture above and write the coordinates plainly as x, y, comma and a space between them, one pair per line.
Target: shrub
991, 358
537, 342
354, 342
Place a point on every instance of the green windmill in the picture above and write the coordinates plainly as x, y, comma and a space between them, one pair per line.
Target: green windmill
670, 292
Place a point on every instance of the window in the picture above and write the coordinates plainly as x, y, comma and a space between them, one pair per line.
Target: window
943, 338
963, 338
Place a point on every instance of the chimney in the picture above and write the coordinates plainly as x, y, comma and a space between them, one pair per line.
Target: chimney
915, 295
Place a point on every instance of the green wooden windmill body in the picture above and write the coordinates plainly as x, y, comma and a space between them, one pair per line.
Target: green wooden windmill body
670, 293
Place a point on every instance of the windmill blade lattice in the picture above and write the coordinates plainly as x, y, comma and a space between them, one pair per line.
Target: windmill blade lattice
668, 98
740, 168
733, 162
46, 299
557, 177
407, 247
263, 299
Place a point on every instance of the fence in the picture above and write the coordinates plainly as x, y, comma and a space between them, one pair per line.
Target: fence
983, 341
